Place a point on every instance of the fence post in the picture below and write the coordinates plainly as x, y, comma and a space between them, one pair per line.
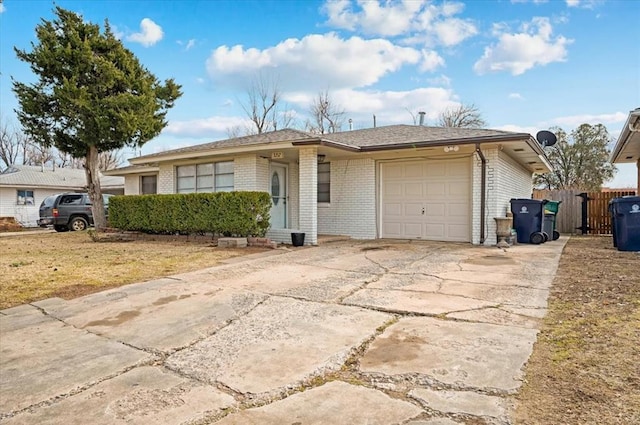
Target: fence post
584, 228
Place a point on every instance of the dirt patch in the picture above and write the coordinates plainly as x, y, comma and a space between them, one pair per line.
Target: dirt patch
69, 265
584, 368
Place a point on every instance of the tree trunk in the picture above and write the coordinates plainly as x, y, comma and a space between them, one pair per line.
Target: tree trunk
93, 186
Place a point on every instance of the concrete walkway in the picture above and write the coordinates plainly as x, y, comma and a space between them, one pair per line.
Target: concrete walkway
375, 332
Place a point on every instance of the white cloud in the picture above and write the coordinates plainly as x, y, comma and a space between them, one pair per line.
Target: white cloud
516, 96
574, 121
532, 1
442, 80
315, 61
188, 45
431, 60
584, 4
520, 52
2, 9
417, 21
212, 127
390, 107
150, 33
519, 129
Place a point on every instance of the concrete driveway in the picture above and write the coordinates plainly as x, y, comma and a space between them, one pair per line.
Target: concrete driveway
375, 332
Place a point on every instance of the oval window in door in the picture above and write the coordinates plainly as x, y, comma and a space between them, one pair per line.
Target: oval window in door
275, 187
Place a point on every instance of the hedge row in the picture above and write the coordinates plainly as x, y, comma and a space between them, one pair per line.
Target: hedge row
239, 214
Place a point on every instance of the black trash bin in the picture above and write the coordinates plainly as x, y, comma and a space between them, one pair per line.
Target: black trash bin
528, 220
549, 223
626, 222
297, 239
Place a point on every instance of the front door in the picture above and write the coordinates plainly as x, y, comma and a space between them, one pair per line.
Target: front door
278, 196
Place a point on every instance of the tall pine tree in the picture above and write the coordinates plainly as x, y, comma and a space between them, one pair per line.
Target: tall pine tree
92, 95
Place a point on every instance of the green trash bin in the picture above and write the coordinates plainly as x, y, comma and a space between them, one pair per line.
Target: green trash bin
552, 207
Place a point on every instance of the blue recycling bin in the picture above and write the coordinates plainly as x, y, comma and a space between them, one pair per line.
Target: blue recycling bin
625, 215
528, 216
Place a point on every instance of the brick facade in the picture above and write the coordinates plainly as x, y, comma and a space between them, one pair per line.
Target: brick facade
352, 210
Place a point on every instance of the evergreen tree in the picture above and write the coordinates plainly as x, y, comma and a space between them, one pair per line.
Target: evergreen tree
92, 95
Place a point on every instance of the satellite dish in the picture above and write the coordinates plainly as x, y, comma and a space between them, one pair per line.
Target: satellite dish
546, 138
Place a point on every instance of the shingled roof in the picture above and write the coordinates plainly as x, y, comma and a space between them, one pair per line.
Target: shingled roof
387, 137
47, 177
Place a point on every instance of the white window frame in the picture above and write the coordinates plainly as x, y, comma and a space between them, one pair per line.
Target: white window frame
198, 174
327, 192
25, 199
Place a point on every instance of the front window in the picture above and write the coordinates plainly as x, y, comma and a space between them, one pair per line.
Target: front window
324, 182
214, 177
149, 185
25, 197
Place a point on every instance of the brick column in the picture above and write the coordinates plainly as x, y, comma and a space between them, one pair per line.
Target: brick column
308, 194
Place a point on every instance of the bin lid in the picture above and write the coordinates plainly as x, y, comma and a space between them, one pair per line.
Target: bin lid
625, 200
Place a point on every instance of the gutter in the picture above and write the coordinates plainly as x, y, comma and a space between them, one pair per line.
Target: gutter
327, 143
462, 141
630, 126
483, 195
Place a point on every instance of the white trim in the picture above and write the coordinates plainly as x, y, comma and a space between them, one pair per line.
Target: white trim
287, 215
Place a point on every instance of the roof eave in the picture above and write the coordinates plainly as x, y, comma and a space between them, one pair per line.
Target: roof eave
633, 120
447, 142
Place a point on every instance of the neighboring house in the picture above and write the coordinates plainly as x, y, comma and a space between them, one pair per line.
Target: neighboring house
400, 181
23, 187
627, 148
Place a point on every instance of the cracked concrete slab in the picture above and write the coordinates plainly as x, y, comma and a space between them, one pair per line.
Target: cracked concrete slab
465, 402
464, 355
332, 403
414, 302
405, 282
515, 295
145, 395
163, 321
497, 316
279, 344
435, 421
47, 359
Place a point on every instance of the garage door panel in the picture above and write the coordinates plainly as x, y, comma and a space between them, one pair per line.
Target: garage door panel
413, 230
393, 190
393, 210
392, 230
436, 210
436, 188
413, 210
413, 170
435, 169
442, 189
457, 169
435, 231
413, 189
459, 188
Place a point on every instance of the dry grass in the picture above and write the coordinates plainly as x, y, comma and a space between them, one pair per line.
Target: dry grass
68, 265
585, 365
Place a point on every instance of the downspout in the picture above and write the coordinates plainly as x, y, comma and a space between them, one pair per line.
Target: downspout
483, 195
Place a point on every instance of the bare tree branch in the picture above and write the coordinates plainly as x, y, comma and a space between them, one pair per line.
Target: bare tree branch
464, 116
326, 116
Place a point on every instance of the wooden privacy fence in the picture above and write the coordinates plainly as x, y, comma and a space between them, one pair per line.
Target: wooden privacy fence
569, 219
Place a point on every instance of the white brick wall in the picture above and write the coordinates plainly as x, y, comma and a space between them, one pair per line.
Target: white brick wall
352, 210
506, 179
308, 192
166, 179
294, 196
244, 173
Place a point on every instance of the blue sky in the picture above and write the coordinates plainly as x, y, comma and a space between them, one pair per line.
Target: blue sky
526, 64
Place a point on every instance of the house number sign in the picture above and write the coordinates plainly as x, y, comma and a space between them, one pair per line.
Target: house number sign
277, 155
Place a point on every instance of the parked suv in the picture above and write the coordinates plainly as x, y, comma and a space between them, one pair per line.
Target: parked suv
68, 211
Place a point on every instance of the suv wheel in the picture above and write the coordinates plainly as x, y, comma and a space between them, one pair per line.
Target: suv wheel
60, 228
78, 224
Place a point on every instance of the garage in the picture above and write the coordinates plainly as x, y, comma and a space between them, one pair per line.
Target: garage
426, 199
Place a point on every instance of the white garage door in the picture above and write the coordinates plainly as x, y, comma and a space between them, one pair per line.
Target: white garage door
428, 200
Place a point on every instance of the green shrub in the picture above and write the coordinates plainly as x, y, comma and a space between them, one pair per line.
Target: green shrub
238, 214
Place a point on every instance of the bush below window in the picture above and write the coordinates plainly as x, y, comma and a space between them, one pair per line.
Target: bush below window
239, 214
